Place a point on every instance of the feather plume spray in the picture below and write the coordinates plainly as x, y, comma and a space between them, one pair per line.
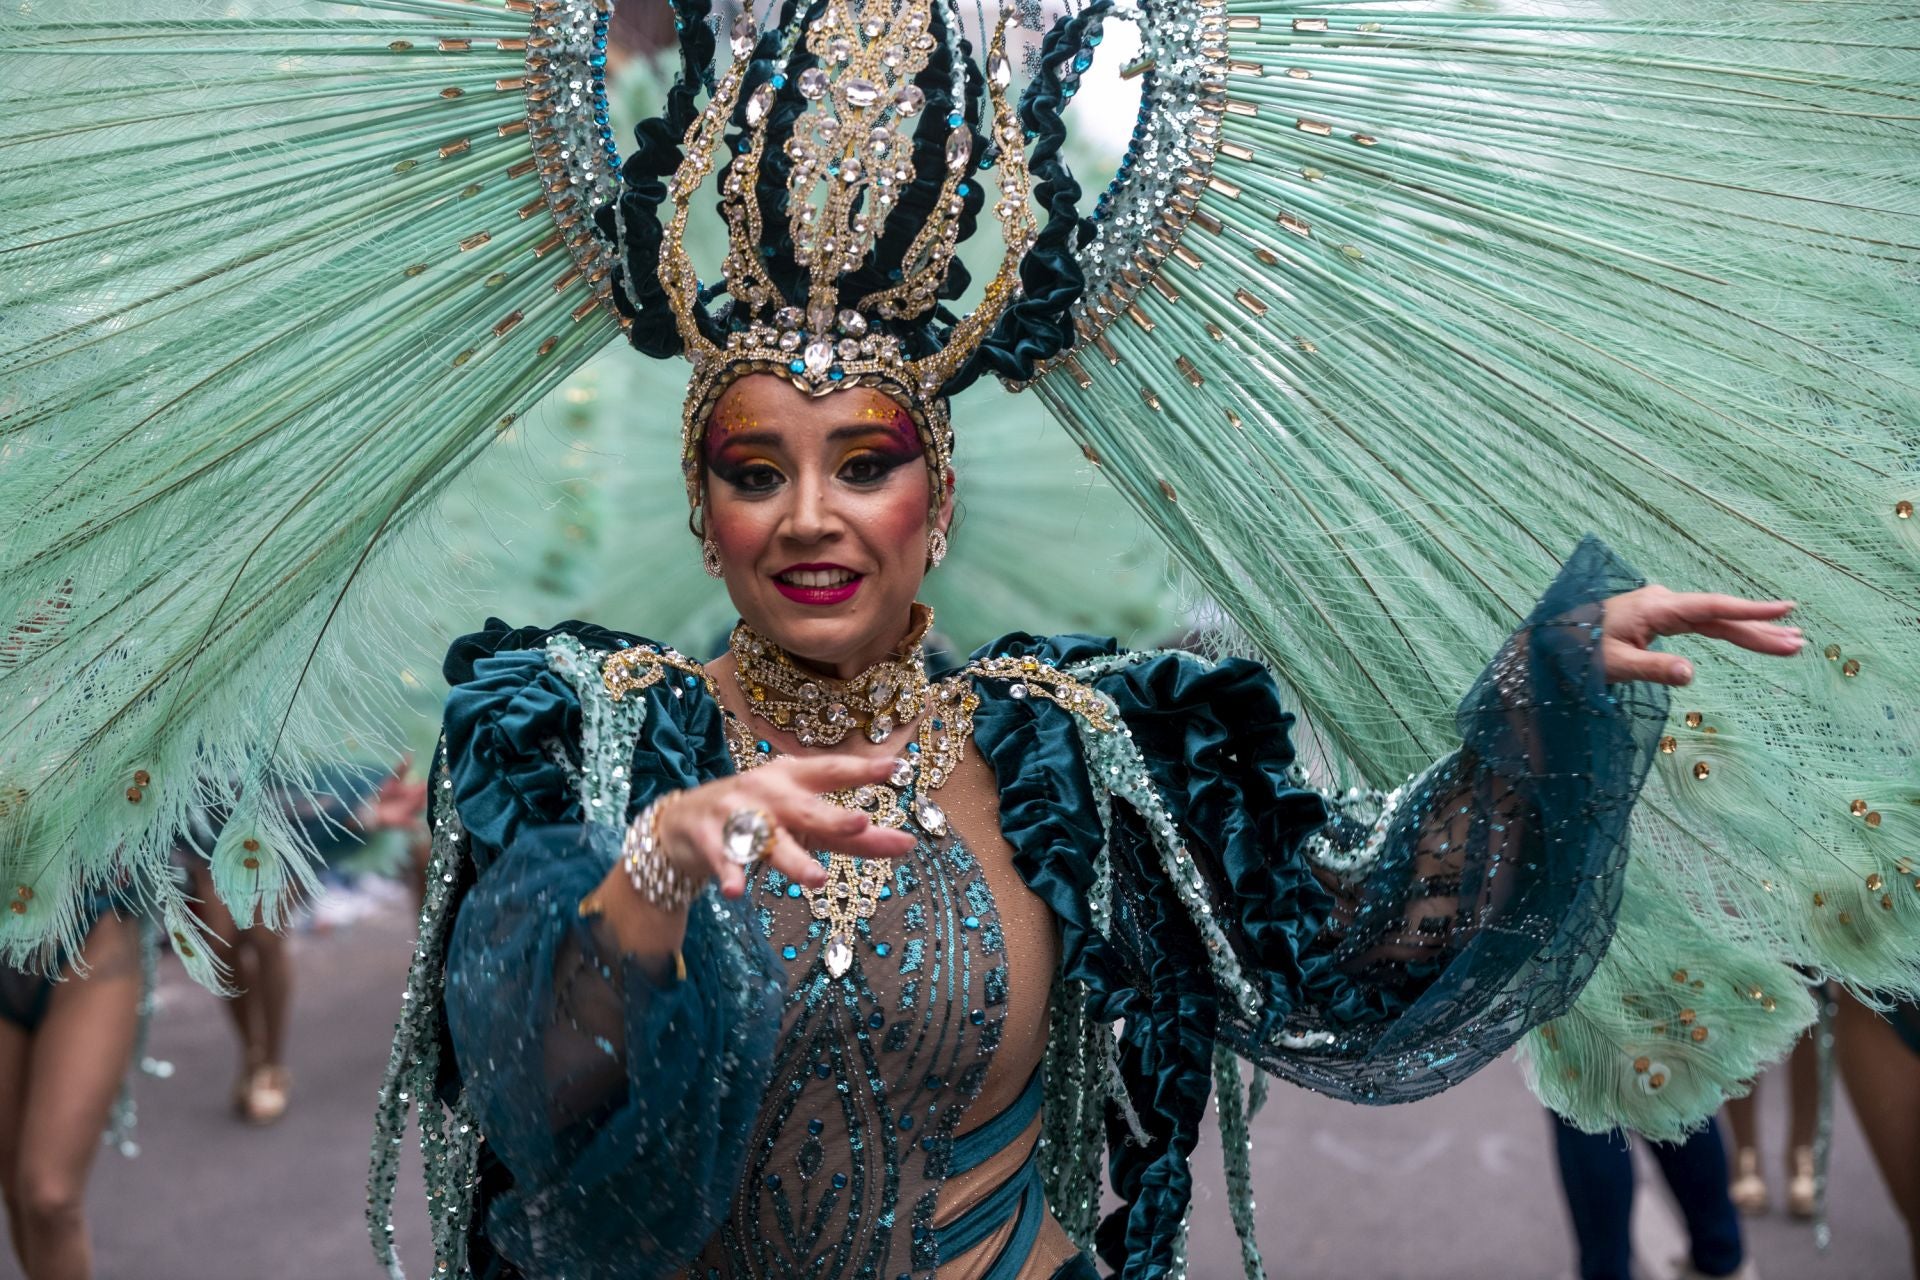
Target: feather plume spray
267, 287
1441, 287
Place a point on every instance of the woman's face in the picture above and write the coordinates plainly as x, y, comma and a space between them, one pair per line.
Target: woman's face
819, 507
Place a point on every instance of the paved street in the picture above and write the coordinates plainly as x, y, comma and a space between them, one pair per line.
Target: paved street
1457, 1188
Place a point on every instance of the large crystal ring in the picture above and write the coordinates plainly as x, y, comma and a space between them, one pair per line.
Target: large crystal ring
745, 836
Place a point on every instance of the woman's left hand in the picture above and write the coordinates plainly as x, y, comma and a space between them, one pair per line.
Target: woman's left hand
1635, 619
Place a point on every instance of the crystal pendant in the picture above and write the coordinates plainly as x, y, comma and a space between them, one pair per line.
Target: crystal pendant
819, 357
862, 93
959, 149
745, 33
909, 100
931, 817
999, 74
759, 104
839, 957
813, 83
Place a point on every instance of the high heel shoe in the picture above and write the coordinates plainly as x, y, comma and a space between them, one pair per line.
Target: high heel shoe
1800, 1187
1748, 1190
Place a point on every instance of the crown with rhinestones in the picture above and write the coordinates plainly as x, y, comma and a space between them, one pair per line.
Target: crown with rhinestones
846, 191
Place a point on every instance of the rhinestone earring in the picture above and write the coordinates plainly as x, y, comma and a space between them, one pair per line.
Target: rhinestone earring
710, 558
936, 548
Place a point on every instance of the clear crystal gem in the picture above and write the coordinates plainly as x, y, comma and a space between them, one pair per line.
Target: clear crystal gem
819, 357
745, 32
880, 143
909, 100
839, 957
852, 322
759, 104
873, 27
850, 170
999, 74
881, 729
893, 55
862, 93
881, 690
902, 774
788, 317
744, 835
813, 83
1017, 692
839, 48
809, 692
849, 349
931, 817
959, 149
790, 340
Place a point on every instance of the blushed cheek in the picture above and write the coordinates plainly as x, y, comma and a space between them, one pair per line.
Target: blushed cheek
901, 523
740, 536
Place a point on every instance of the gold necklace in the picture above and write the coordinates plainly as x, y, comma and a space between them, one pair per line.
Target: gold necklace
852, 891
820, 711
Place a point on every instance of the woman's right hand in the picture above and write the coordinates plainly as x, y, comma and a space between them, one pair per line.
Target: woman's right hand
788, 791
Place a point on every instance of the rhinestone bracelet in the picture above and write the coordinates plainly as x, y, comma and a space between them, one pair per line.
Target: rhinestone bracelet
653, 877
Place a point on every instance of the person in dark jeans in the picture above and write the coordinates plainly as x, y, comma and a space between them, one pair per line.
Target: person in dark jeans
1596, 1172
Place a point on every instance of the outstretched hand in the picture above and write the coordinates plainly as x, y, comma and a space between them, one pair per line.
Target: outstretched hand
1635, 619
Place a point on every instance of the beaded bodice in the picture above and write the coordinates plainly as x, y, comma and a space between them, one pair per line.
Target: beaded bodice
936, 1026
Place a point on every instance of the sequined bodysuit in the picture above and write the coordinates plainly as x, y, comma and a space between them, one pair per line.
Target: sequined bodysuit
853, 1168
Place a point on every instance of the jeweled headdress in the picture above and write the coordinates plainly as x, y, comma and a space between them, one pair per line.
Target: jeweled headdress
858, 140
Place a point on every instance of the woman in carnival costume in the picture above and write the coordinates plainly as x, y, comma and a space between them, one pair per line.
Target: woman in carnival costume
801, 961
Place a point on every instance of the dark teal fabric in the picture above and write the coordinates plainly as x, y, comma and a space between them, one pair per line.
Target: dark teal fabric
1529, 817
592, 1079
1549, 771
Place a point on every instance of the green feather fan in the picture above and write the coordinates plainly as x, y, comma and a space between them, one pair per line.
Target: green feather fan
269, 283
1459, 283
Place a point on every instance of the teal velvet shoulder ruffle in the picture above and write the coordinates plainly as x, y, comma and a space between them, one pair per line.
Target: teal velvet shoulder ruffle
610, 1143
1396, 945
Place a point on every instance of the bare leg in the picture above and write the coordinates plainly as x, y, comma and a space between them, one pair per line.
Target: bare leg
14, 1044
1803, 1082
1744, 1119
1803, 1108
263, 993
272, 989
1883, 1083
240, 1007
1748, 1186
77, 1065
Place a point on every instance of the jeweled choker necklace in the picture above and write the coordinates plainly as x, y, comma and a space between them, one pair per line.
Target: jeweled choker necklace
820, 711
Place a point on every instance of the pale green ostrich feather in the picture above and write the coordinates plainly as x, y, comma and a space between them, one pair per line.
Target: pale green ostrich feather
253, 271
1498, 275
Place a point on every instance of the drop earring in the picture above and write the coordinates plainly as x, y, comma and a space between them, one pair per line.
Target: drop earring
936, 548
710, 559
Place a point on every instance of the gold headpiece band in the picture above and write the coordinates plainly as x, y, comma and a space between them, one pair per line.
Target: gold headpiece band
851, 149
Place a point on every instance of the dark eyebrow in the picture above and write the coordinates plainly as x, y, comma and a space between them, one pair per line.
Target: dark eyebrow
767, 439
